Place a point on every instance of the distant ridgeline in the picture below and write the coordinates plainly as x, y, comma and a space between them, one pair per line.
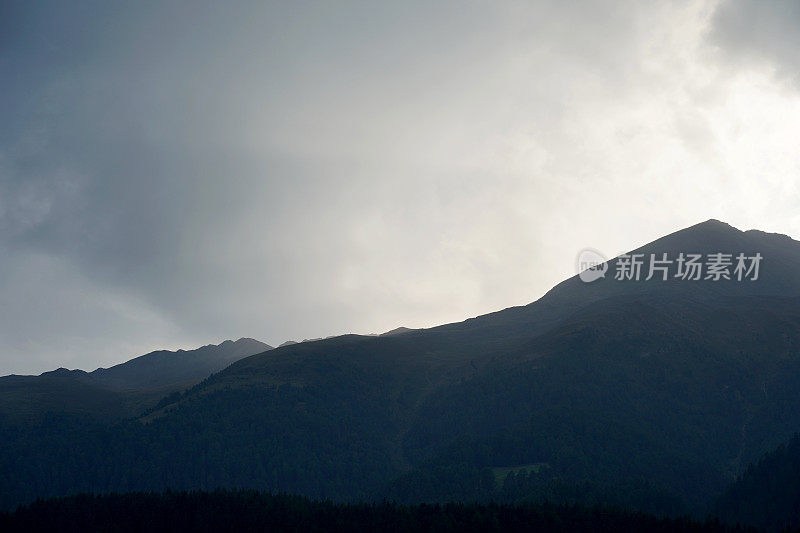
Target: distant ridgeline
649, 395
121, 391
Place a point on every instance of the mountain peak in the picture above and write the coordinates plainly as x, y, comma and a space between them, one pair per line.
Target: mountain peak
708, 229
713, 222
250, 342
182, 366
714, 225
63, 372
396, 331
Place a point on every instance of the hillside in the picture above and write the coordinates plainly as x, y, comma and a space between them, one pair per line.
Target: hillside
670, 387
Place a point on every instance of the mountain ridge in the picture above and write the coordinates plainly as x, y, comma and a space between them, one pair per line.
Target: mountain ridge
520, 332
121, 389
678, 383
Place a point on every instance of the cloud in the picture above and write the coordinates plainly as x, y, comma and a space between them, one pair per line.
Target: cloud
296, 170
755, 32
53, 315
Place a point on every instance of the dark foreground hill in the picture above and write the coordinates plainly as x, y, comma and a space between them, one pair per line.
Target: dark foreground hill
767, 495
652, 395
252, 511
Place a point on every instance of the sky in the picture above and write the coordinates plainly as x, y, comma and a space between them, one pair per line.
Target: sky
178, 173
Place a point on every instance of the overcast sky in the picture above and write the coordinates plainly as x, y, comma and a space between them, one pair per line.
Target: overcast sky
174, 174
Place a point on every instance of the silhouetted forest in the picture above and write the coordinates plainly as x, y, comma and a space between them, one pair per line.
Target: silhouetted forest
767, 495
252, 511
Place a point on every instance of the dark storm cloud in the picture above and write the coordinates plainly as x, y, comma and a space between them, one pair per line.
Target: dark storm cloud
760, 31
177, 173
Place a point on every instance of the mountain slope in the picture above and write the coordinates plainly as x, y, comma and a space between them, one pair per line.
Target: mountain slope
632, 353
679, 383
647, 389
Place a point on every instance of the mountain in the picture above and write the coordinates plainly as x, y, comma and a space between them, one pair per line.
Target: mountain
649, 394
121, 390
396, 331
164, 368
